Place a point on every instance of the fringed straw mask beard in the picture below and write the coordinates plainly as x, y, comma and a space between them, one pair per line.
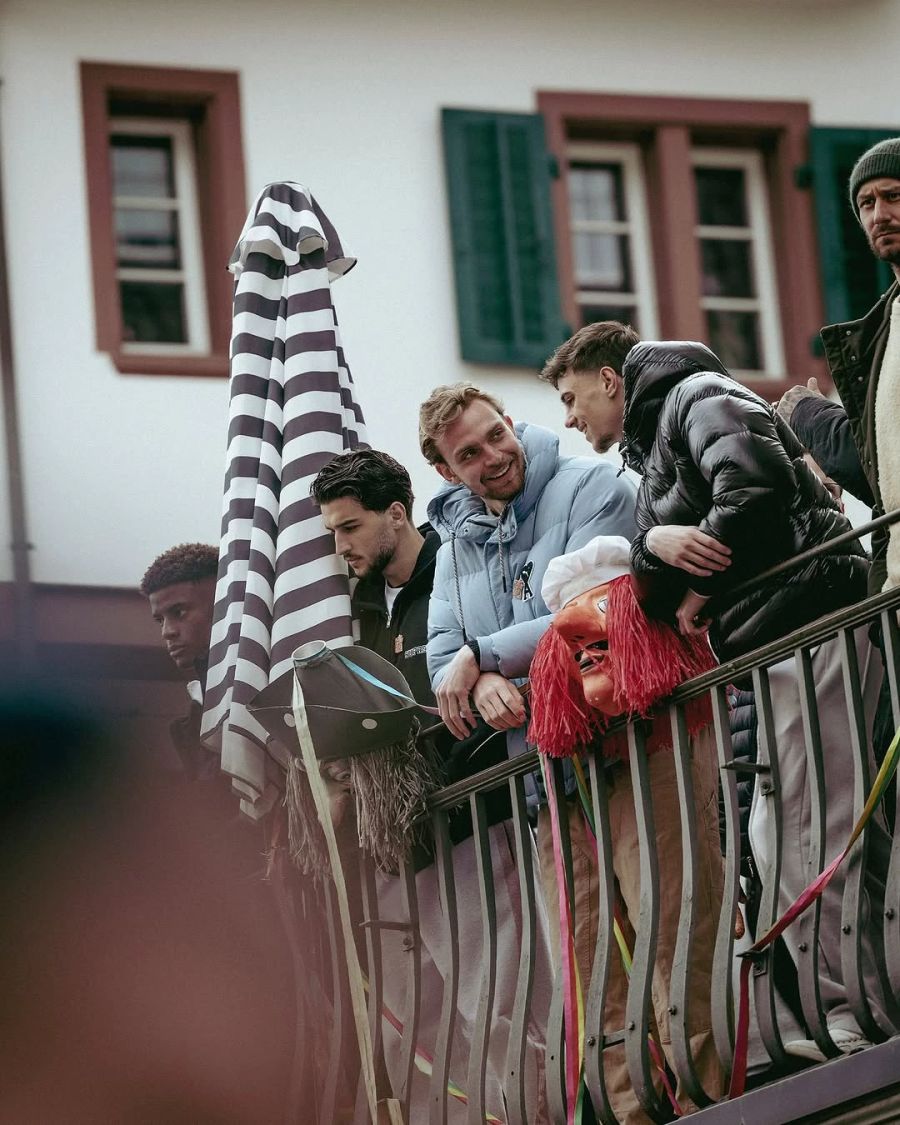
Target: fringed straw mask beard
362, 718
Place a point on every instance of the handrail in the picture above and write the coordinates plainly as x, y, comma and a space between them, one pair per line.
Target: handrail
814, 553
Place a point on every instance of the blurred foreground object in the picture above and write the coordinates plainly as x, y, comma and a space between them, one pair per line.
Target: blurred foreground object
137, 984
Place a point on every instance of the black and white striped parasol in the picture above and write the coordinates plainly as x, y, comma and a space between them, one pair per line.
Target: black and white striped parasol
292, 409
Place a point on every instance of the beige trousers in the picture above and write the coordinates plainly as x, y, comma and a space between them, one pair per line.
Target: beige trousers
626, 865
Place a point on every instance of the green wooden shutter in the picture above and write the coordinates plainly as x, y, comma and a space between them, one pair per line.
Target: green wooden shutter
852, 278
498, 183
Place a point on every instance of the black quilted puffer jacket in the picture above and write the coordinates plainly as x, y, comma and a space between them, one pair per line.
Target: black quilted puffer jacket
714, 455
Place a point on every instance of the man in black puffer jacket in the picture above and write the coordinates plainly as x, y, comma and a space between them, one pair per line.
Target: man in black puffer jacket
725, 495
714, 455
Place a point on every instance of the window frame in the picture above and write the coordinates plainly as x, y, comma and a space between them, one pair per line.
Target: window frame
759, 227
185, 205
667, 129
210, 100
628, 155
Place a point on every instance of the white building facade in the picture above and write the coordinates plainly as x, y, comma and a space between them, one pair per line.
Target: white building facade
676, 164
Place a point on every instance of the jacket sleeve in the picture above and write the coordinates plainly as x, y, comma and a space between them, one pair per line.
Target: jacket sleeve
602, 504
824, 429
445, 633
735, 446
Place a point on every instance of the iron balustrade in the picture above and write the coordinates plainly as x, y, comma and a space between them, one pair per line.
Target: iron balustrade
802, 1093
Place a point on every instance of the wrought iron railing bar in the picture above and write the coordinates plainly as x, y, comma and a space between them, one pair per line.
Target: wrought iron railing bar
721, 996
638, 1005
769, 790
410, 1015
679, 989
604, 951
339, 1004
482, 1028
514, 1086
813, 634
852, 907
374, 969
808, 923
556, 1025
813, 553
440, 1071
891, 643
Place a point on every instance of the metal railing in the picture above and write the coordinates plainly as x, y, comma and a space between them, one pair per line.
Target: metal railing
494, 1042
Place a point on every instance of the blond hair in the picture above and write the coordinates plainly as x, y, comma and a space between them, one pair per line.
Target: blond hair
441, 409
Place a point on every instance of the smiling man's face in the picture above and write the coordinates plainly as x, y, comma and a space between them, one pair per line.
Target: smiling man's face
481, 451
594, 403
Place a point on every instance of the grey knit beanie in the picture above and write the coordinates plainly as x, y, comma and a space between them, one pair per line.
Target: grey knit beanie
882, 159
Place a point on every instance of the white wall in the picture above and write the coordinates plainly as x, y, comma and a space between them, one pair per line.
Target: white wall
345, 97
6, 559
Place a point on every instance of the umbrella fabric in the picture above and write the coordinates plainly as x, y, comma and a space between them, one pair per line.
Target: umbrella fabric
292, 409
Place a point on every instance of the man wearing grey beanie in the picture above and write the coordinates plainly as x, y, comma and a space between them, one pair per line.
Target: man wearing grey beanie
858, 445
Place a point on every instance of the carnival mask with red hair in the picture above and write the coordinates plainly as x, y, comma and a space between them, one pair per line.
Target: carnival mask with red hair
603, 656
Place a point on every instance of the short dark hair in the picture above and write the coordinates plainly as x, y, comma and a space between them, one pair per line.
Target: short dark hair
605, 343
373, 478
188, 562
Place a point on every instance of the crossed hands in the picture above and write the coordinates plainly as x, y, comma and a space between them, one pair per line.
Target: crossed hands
498, 701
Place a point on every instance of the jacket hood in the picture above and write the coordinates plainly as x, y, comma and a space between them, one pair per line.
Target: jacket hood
369, 592
651, 370
456, 512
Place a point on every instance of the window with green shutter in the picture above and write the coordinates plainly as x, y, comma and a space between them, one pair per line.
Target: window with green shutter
498, 184
852, 278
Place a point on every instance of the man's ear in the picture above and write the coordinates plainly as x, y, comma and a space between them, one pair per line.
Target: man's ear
611, 379
397, 513
446, 472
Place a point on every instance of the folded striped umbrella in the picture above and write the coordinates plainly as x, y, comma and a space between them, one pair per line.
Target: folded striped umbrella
292, 409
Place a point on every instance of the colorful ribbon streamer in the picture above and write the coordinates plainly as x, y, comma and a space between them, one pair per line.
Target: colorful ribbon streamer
424, 1062
656, 1053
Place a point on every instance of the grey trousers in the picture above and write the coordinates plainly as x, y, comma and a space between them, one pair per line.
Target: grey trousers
834, 724
435, 954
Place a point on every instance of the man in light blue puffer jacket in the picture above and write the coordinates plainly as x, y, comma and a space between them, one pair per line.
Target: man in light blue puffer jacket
511, 504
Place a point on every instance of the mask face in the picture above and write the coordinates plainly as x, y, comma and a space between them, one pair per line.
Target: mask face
582, 625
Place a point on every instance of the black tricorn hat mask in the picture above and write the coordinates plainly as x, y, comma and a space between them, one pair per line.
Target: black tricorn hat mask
356, 701
359, 707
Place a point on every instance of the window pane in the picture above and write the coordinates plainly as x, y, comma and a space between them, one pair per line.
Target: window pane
142, 166
602, 261
153, 312
595, 192
734, 337
626, 314
727, 266
721, 197
147, 239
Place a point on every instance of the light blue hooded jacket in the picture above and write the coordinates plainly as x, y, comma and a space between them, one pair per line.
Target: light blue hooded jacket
487, 583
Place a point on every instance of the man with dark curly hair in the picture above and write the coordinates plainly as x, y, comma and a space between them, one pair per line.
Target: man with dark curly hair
180, 585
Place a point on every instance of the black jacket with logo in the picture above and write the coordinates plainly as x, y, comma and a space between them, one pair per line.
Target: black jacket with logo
401, 640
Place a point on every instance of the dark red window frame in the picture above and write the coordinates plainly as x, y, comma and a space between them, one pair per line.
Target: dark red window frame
211, 100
